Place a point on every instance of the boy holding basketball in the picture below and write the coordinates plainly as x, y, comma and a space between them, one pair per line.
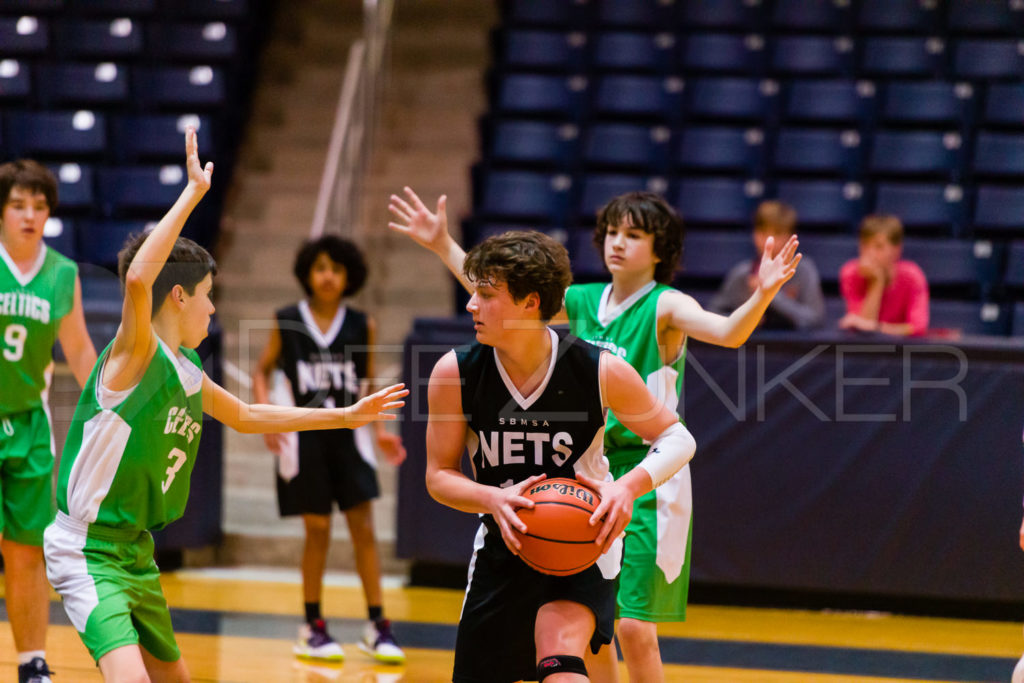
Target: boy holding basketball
529, 404
640, 237
133, 441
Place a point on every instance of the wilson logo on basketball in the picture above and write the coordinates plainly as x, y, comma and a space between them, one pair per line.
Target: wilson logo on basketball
570, 490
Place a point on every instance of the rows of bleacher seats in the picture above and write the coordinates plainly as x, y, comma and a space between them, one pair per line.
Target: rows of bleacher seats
838, 107
102, 90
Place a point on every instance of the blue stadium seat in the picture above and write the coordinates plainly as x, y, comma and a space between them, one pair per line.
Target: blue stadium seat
643, 148
117, 8
67, 84
157, 137
969, 317
711, 255
639, 97
892, 57
599, 188
24, 36
733, 15
33, 6
205, 9
814, 151
519, 195
59, 234
1017, 328
544, 13
473, 232
985, 16
536, 95
99, 242
818, 15
1004, 105
183, 88
830, 102
62, 134
922, 206
998, 154
15, 81
1014, 277
920, 153
124, 190
988, 59
635, 52
999, 209
720, 149
645, 14
898, 16
534, 143
723, 53
213, 41
542, 50
101, 39
928, 103
733, 99
812, 56
717, 201
829, 253
957, 265
75, 187
824, 204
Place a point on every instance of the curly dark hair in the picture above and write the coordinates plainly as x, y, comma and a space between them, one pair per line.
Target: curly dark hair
527, 261
31, 175
341, 251
187, 264
652, 214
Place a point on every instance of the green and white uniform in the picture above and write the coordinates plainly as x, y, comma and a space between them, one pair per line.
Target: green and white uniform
31, 307
125, 471
655, 578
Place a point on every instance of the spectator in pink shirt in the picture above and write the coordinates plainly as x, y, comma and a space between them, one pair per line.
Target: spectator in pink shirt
883, 293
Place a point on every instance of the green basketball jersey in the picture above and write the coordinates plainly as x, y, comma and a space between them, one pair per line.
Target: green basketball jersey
128, 456
31, 307
631, 333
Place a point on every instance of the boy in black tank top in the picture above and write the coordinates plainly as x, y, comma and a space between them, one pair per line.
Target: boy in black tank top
527, 404
324, 348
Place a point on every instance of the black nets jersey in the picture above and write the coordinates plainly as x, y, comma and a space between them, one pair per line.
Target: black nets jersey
324, 369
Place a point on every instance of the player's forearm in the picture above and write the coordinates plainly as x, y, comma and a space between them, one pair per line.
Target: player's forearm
153, 253
454, 489
742, 322
261, 418
260, 390
454, 257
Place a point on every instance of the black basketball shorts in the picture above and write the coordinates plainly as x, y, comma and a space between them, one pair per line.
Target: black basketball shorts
331, 470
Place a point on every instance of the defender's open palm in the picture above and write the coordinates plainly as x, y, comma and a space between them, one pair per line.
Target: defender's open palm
415, 219
503, 509
373, 407
198, 175
776, 271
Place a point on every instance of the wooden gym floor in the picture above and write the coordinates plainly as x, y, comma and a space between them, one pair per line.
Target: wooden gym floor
239, 626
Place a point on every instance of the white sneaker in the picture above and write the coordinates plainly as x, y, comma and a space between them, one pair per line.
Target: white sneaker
380, 644
315, 643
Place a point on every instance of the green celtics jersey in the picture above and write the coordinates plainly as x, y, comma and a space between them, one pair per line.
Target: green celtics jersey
31, 307
630, 331
129, 454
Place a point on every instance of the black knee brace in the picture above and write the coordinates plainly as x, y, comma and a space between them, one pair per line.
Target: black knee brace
560, 664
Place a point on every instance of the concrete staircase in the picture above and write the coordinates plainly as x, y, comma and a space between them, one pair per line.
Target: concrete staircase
426, 139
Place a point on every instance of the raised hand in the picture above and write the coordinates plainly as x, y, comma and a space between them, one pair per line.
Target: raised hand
414, 219
372, 408
776, 271
199, 177
614, 511
503, 508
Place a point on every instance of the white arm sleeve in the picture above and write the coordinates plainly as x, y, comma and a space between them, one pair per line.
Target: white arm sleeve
673, 448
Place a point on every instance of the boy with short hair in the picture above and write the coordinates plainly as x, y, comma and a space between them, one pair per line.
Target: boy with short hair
883, 292
129, 454
40, 303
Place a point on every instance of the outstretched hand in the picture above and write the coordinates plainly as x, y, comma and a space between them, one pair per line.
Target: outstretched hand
777, 271
199, 177
372, 408
415, 220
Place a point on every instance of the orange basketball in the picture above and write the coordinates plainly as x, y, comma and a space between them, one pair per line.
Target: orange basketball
559, 539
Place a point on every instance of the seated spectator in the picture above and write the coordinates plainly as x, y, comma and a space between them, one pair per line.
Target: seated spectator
800, 305
882, 292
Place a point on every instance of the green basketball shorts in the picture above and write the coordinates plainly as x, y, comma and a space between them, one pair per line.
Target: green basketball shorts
26, 476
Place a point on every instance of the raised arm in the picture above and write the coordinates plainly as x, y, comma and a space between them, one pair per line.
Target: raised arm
681, 312
134, 341
75, 341
429, 230
446, 440
256, 418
